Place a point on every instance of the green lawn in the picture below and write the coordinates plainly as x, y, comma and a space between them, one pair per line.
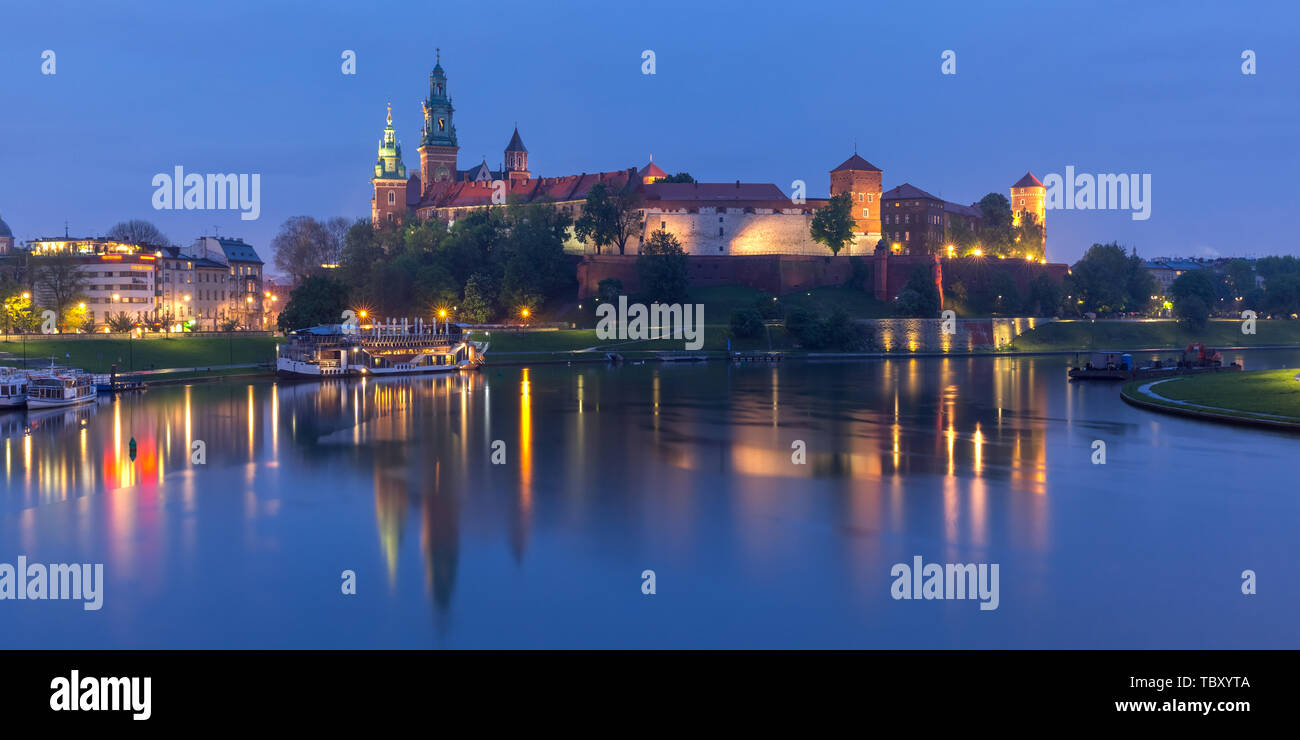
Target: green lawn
1085, 335
152, 352
1254, 394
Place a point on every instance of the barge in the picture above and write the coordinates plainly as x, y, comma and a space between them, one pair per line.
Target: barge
1115, 365
390, 348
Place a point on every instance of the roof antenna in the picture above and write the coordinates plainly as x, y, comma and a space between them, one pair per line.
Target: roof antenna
65, 229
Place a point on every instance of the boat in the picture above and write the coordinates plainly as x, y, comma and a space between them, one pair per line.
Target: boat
389, 348
59, 387
13, 388
1116, 365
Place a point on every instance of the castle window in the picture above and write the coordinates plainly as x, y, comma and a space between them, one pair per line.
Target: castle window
391, 198
1022, 202
442, 124
866, 213
719, 232
859, 197
663, 224
869, 197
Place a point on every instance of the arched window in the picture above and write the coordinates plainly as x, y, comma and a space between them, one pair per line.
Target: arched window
391, 198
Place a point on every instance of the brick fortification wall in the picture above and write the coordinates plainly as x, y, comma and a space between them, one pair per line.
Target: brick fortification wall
777, 274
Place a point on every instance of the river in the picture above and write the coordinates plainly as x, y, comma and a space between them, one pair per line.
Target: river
689, 471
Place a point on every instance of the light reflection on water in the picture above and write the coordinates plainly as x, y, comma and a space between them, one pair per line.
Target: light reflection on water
687, 470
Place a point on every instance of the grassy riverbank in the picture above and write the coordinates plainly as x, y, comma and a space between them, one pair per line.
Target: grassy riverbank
1268, 396
1164, 334
153, 352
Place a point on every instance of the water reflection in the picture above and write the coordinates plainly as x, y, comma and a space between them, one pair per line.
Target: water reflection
691, 462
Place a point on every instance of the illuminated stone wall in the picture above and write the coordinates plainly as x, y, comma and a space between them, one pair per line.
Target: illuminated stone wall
926, 335
711, 233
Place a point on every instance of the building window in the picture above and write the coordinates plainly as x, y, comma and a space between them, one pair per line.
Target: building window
663, 224
1022, 202
859, 197
719, 231
907, 236
866, 213
869, 197
391, 198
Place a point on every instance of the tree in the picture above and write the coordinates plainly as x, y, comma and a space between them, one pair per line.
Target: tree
746, 323
479, 303
16, 315
1282, 294
609, 289
997, 235
304, 245
120, 322
1193, 293
836, 332
319, 299
832, 225
919, 295
138, 231
60, 282
662, 268
679, 177
1044, 298
1101, 279
609, 218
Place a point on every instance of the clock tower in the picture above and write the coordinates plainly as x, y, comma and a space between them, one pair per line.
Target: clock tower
438, 147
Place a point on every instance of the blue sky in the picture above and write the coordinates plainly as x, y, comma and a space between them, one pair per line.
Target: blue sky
751, 90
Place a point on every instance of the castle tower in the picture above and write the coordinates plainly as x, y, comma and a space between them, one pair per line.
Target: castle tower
516, 158
389, 202
438, 146
652, 173
860, 180
1029, 194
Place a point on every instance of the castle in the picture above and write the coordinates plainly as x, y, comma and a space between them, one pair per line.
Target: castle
709, 219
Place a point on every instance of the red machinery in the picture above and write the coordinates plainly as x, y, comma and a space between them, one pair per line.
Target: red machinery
1198, 355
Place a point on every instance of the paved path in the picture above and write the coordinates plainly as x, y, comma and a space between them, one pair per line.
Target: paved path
1145, 390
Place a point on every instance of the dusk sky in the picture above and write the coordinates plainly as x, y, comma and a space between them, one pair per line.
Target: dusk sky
757, 91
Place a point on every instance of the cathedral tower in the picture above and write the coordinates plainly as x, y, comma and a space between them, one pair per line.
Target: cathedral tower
516, 158
438, 146
389, 202
860, 180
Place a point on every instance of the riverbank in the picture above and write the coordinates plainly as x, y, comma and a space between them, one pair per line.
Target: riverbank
1258, 398
1154, 335
152, 352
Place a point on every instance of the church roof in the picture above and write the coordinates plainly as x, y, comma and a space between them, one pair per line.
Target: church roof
4, 229
1028, 181
857, 163
516, 144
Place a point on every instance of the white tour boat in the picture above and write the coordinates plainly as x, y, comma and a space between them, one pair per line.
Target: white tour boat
13, 387
390, 348
59, 387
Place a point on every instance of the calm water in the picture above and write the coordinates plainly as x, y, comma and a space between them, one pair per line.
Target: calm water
684, 470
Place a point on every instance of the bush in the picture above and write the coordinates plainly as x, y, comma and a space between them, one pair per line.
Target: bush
746, 323
837, 332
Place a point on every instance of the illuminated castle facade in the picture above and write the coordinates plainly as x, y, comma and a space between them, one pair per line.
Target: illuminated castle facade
708, 219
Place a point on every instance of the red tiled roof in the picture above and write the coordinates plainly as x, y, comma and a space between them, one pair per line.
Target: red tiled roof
905, 191
857, 163
1028, 181
652, 170
717, 191
568, 188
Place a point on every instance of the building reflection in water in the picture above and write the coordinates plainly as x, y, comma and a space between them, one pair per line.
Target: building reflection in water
890, 441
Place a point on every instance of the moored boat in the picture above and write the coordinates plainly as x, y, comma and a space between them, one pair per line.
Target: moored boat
342, 350
59, 387
13, 388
